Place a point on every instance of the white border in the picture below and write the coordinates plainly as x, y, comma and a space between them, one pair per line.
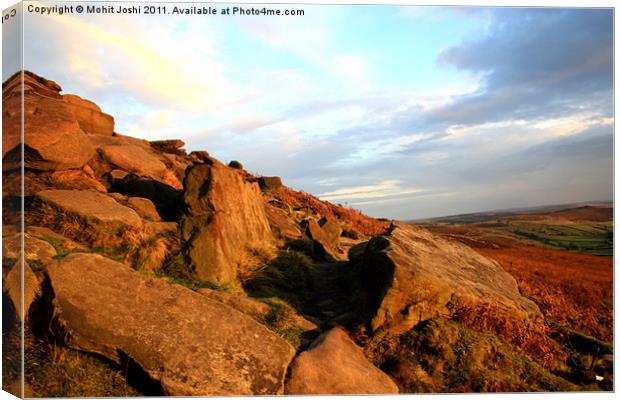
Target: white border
488, 3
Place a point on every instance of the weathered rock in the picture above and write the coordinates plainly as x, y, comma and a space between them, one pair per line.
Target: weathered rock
52, 136
412, 275
144, 207
325, 239
32, 84
117, 175
169, 146
235, 164
158, 228
34, 249
134, 159
12, 287
93, 207
89, 116
201, 156
281, 224
270, 182
225, 215
167, 199
241, 303
335, 365
192, 345
53, 139
46, 234
75, 179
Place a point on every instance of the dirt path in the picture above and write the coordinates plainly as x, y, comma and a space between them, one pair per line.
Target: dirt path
330, 303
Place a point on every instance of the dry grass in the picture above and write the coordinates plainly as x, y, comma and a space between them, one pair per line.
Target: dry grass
354, 220
447, 357
55, 371
572, 290
533, 341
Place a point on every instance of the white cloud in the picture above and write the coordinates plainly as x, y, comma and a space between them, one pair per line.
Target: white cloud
387, 188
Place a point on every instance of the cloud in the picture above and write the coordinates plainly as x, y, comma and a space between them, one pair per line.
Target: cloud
388, 188
535, 63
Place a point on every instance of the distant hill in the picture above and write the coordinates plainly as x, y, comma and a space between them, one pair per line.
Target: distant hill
585, 210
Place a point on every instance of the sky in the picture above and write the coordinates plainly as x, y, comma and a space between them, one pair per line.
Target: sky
401, 112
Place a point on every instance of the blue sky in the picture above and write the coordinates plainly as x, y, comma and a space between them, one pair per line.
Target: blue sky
402, 112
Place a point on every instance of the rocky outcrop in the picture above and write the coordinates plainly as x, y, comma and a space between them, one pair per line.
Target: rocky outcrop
269, 183
225, 216
135, 159
281, 224
412, 275
172, 146
325, 238
335, 365
53, 139
83, 213
57, 129
89, 116
144, 207
191, 345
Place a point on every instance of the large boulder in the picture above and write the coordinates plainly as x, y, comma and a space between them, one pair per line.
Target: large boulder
135, 159
89, 116
83, 215
53, 139
336, 365
412, 275
191, 345
281, 224
269, 183
225, 217
326, 238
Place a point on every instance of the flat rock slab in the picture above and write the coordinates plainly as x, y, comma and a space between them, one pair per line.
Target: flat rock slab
92, 206
136, 159
336, 365
192, 345
244, 304
413, 275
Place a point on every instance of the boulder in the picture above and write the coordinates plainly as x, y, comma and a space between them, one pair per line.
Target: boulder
12, 286
75, 179
53, 139
34, 249
201, 156
241, 303
169, 146
325, 239
52, 136
167, 199
144, 207
335, 365
89, 116
412, 275
225, 216
268, 183
96, 209
281, 224
32, 83
191, 345
135, 159
235, 164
